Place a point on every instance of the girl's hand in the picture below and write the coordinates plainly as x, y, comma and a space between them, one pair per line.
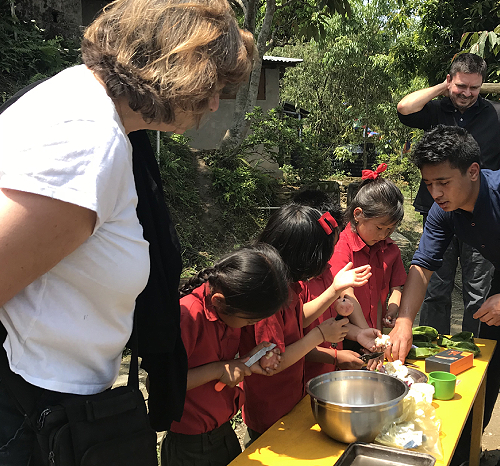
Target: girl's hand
349, 277
234, 371
343, 306
270, 362
366, 338
375, 364
389, 320
334, 330
267, 364
348, 360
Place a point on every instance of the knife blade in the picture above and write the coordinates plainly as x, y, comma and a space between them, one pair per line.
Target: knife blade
253, 359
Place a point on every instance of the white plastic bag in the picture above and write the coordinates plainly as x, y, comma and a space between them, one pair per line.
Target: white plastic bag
417, 429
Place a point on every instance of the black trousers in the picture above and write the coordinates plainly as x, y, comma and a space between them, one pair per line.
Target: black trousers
492, 383
215, 448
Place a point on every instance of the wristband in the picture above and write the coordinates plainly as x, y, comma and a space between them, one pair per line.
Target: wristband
335, 358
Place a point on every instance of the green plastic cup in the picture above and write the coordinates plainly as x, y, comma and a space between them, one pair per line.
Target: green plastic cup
444, 384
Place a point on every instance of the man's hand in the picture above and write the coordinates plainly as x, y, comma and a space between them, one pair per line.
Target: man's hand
401, 339
489, 312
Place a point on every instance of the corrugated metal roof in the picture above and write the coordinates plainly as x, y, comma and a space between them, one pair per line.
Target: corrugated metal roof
282, 59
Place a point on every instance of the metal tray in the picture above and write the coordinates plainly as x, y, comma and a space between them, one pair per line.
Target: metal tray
369, 454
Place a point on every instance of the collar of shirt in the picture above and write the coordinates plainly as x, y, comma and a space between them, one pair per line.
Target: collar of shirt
463, 119
358, 244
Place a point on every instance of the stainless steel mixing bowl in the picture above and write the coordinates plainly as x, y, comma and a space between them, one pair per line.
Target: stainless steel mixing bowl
353, 406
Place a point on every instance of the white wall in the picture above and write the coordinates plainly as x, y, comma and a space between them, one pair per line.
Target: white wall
213, 130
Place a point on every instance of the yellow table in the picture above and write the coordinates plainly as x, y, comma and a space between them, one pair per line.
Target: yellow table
297, 438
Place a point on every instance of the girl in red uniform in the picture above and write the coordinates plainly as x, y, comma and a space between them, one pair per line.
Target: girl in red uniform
241, 289
372, 217
326, 358
305, 240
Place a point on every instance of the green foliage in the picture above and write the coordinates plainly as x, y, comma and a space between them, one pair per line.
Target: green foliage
351, 80
486, 44
441, 27
179, 171
212, 209
281, 139
402, 171
26, 56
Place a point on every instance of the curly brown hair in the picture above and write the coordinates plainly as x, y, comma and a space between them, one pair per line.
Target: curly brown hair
168, 55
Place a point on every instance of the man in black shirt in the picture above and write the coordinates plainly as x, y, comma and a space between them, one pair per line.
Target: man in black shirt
461, 106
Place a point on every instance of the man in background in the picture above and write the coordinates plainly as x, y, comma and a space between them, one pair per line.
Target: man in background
462, 106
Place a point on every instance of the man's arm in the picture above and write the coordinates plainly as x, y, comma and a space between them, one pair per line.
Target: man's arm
411, 300
416, 101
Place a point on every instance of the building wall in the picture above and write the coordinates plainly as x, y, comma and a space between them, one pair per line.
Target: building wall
210, 134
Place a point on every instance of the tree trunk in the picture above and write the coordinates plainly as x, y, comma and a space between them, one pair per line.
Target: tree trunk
247, 95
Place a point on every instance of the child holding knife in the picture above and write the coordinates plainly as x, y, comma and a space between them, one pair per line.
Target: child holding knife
244, 287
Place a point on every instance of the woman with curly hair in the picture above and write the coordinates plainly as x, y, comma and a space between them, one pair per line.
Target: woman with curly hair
73, 254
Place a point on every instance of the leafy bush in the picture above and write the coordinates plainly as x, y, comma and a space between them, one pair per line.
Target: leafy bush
212, 211
281, 139
26, 56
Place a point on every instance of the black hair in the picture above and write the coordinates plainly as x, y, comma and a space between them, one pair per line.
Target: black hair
468, 63
253, 280
294, 230
377, 198
321, 201
447, 143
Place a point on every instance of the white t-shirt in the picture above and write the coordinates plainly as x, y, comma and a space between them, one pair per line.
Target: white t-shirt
67, 329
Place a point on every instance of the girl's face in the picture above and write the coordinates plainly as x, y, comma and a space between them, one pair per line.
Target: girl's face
236, 320
373, 230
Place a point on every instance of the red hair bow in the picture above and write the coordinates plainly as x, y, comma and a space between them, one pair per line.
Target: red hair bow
373, 175
328, 223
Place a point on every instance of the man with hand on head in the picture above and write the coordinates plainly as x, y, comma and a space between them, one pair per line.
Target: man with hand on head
466, 204
461, 106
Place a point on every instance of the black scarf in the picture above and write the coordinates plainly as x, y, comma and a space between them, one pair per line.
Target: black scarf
157, 307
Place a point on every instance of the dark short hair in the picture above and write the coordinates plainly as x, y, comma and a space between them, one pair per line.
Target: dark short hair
468, 63
377, 198
294, 230
447, 143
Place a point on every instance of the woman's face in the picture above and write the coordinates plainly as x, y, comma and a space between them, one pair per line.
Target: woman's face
373, 230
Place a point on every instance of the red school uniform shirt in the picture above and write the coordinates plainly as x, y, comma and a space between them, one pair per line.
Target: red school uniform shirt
268, 398
312, 289
206, 339
388, 271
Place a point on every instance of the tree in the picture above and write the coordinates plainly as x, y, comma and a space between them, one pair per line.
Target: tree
441, 26
273, 22
347, 81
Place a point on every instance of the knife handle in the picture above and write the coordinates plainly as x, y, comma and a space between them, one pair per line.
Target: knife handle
219, 386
